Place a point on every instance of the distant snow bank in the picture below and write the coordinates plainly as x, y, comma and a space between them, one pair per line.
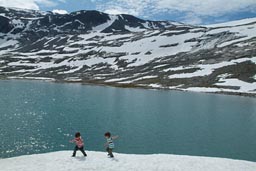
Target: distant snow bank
97, 161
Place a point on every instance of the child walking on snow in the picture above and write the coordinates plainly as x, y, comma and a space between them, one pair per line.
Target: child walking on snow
110, 144
79, 144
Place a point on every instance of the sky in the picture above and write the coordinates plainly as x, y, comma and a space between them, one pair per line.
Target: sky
187, 11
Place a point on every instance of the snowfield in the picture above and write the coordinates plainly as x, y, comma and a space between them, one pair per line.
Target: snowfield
97, 161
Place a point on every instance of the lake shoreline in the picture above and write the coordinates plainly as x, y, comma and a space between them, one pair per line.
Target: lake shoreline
130, 85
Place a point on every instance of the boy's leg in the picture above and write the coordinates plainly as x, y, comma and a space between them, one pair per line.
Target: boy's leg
74, 153
110, 152
107, 149
82, 150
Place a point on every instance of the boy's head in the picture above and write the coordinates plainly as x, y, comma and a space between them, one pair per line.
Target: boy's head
107, 134
77, 135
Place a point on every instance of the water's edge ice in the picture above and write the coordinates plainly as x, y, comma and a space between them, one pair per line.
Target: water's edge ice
98, 161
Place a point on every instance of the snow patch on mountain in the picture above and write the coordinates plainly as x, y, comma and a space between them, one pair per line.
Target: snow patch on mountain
208, 68
243, 86
103, 26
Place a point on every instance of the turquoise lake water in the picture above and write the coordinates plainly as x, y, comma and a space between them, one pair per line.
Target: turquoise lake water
38, 117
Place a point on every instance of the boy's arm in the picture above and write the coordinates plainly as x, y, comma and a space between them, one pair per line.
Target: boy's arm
71, 141
115, 137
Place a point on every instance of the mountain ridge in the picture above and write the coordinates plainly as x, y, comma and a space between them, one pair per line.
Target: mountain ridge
82, 20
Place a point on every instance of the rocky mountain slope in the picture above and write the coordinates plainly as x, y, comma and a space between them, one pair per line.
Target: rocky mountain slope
122, 50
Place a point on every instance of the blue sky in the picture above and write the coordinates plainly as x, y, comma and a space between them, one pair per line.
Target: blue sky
188, 11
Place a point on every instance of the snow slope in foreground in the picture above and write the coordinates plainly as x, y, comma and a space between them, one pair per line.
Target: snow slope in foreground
61, 161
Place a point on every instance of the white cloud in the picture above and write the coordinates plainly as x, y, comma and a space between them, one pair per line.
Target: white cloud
113, 11
47, 3
192, 19
207, 7
58, 11
192, 10
27, 4
119, 10
133, 7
